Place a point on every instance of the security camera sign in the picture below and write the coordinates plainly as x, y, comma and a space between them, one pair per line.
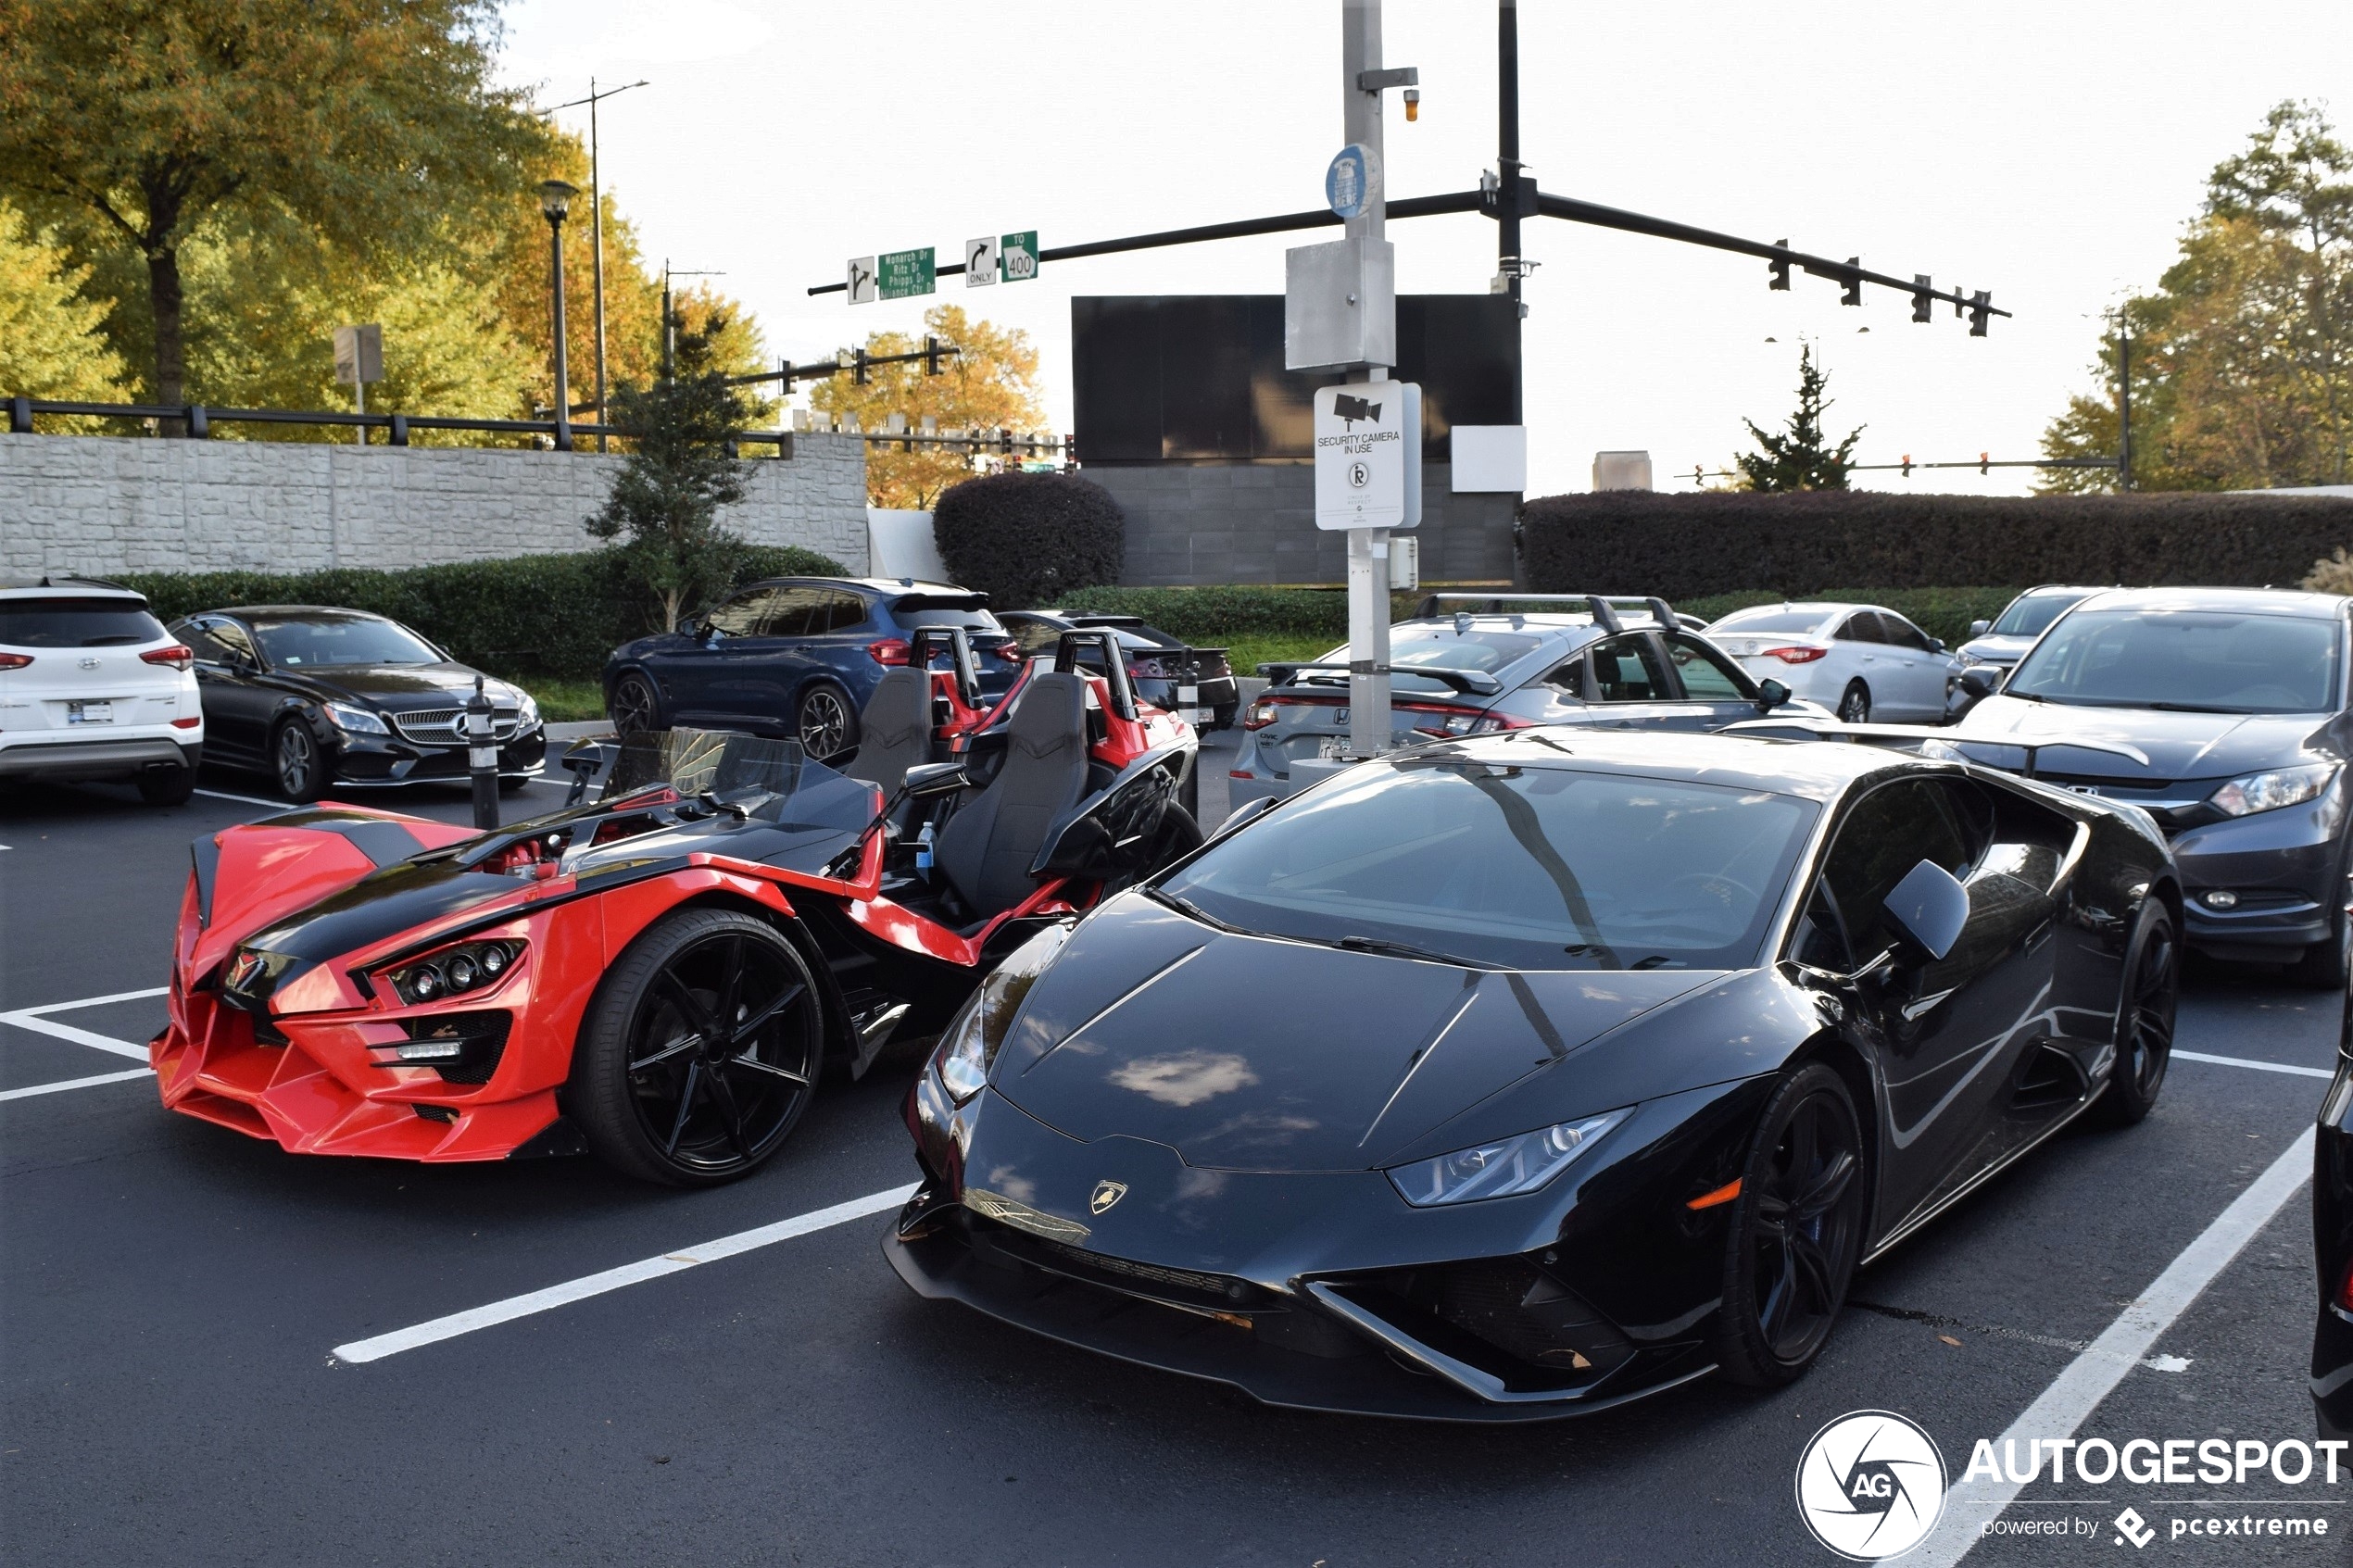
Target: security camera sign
1362, 442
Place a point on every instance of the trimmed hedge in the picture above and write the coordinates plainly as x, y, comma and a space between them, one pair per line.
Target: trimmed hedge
555, 615
1028, 539
1687, 545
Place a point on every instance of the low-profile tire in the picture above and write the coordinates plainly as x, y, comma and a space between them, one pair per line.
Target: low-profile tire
167, 786
701, 1051
1854, 704
508, 786
296, 764
1797, 1231
2147, 999
2326, 965
825, 720
633, 706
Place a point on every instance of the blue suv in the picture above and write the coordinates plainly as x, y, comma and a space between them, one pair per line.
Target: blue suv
796, 657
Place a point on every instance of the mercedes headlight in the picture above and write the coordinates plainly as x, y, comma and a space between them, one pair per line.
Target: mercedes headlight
970, 1045
354, 721
2270, 791
526, 712
1503, 1169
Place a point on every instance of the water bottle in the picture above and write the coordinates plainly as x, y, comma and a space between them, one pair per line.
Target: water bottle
923, 853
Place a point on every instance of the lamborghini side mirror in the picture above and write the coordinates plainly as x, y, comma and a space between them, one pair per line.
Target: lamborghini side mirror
1770, 694
1927, 910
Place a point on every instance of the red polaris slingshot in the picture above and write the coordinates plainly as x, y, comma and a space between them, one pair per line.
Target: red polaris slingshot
660, 975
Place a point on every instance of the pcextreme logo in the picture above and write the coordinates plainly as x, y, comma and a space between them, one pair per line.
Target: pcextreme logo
1870, 1485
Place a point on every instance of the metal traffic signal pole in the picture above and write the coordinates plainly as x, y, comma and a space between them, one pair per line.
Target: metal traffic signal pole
1370, 724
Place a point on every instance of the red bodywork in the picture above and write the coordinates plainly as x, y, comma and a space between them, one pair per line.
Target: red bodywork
337, 1085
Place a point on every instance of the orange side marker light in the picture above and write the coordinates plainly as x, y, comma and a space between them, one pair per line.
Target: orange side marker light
1724, 1194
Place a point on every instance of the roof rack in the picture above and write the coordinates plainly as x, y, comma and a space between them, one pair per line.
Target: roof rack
1603, 606
1478, 681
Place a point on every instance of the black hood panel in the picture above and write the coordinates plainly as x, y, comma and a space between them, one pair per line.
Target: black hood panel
1251, 1053
396, 689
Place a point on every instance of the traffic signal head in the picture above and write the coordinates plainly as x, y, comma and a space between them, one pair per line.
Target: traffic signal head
1980, 306
1780, 267
933, 348
1920, 300
858, 373
1852, 294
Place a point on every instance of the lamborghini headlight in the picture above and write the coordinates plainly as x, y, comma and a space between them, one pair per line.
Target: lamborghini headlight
2269, 792
970, 1045
1503, 1169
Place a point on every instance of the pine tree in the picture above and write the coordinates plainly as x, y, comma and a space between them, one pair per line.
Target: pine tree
664, 507
1799, 460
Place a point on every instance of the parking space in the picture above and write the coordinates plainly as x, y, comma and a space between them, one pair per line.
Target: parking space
218, 1352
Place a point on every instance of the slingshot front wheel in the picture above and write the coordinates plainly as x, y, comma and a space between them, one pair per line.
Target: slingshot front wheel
701, 1051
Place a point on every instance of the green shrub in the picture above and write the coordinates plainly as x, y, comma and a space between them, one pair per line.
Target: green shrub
1028, 539
556, 615
1687, 545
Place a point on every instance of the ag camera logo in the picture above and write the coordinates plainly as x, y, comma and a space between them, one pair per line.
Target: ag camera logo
1870, 1485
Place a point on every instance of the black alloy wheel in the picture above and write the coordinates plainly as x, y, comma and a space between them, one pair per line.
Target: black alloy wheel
1854, 704
2144, 1009
701, 1052
634, 709
825, 724
1798, 1228
296, 761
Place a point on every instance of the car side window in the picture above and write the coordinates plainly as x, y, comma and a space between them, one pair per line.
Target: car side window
1032, 637
1707, 675
795, 612
234, 644
1862, 627
1626, 669
741, 616
841, 611
1885, 835
1903, 634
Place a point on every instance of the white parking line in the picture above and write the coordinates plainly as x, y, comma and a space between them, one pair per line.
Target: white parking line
2257, 1066
38, 1021
65, 1084
2093, 1375
514, 1307
249, 800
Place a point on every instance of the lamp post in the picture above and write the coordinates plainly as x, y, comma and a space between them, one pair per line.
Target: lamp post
555, 200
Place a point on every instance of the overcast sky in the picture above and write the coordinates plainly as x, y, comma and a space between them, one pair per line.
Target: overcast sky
2048, 152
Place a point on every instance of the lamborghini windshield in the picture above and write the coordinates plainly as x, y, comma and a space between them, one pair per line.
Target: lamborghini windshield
1523, 867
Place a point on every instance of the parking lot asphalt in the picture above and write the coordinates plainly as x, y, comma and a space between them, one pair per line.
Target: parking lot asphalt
173, 1297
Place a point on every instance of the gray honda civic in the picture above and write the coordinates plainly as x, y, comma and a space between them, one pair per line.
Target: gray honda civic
2221, 713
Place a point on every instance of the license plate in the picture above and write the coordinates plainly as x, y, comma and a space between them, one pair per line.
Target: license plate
1329, 747
90, 712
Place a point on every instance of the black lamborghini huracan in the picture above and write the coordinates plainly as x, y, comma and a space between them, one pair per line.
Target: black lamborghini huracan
1529, 1073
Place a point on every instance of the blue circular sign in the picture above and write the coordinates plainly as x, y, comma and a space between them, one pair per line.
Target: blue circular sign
1352, 180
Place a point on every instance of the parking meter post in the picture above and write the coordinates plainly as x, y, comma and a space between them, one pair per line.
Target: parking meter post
481, 758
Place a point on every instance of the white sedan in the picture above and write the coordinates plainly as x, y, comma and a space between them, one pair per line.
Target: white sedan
1863, 661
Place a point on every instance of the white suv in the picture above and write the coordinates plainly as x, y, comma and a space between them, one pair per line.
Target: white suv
92, 687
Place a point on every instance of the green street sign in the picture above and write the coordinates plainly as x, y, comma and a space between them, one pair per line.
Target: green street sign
904, 273
1017, 257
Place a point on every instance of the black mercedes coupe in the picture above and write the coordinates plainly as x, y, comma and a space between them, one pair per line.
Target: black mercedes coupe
1529, 1073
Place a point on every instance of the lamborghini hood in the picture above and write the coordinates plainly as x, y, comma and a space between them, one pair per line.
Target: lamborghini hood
1256, 1053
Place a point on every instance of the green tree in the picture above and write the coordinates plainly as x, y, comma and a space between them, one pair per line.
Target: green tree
990, 383
1799, 458
51, 344
2242, 358
663, 512
374, 122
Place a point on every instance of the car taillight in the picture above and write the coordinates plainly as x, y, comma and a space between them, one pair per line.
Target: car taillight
1795, 654
1008, 651
890, 650
1453, 720
15, 660
1261, 714
175, 656
2345, 1289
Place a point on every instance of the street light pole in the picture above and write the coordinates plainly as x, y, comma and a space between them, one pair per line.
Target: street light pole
597, 226
2123, 400
1370, 724
555, 200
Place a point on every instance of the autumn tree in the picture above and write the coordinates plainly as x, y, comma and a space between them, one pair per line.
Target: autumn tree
1799, 458
990, 382
662, 515
373, 122
2242, 358
50, 343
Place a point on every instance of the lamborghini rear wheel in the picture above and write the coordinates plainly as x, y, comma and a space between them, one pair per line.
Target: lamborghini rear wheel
701, 1051
1796, 1229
